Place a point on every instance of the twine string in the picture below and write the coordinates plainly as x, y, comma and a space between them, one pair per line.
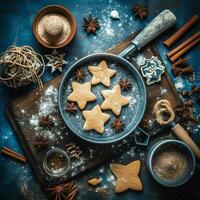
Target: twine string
162, 108
21, 65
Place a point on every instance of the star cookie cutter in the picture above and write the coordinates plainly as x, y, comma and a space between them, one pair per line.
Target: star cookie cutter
141, 137
152, 70
55, 61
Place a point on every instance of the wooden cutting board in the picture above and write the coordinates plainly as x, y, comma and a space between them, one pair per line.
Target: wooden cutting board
24, 113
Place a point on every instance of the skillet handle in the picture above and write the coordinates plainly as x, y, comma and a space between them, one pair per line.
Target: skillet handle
129, 50
183, 135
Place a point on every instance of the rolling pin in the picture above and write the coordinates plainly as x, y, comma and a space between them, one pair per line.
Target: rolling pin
159, 24
162, 107
183, 135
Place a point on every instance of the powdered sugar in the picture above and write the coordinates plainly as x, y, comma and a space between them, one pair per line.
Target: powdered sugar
47, 104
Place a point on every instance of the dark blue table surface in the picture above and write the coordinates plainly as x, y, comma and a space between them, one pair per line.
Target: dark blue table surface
18, 181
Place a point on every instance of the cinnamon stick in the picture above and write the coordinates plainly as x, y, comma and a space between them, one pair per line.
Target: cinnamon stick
181, 31
184, 44
13, 154
184, 50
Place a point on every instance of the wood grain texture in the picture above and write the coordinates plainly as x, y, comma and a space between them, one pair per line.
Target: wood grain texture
102, 152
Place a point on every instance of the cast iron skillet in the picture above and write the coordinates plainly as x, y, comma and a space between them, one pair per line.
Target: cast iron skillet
131, 114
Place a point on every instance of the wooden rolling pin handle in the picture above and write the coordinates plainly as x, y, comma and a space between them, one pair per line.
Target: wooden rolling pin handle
183, 135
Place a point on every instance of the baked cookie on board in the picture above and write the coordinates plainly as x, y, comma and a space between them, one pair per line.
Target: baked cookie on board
127, 176
114, 100
81, 94
101, 73
95, 119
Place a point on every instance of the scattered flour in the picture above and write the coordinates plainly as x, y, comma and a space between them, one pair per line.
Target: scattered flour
140, 59
47, 104
179, 83
163, 91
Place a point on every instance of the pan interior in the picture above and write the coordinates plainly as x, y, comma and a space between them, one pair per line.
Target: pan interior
130, 114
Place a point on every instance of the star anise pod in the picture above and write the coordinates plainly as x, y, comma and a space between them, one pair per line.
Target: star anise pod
117, 124
64, 191
40, 142
124, 84
140, 11
46, 122
79, 74
91, 25
71, 107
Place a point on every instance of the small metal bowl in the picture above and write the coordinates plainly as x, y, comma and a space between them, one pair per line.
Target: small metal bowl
61, 171
188, 172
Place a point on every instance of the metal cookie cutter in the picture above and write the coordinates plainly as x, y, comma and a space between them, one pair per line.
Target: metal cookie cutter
141, 137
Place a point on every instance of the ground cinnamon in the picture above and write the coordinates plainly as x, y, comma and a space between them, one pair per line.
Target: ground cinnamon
181, 31
170, 163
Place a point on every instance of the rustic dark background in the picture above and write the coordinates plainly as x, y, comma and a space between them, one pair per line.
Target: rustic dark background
18, 181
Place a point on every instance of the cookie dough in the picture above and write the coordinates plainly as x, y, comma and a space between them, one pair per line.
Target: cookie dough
81, 94
101, 73
127, 176
95, 119
114, 100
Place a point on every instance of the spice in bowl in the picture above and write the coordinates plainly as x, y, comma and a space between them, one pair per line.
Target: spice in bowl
171, 162
54, 26
56, 162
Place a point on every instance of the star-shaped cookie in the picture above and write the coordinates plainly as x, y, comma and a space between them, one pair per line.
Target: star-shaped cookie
81, 94
101, 73
114, 100
127, 176
95, 119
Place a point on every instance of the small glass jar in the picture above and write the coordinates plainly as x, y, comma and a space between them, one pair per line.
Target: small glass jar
56, 162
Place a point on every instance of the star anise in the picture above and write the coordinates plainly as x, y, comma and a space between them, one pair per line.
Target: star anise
124, 84
91, 24
40, 142
117, 124
140, 11
79, 74
71, 107
46, 122
64, 191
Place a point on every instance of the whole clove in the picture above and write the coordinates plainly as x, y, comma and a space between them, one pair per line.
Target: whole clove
181, 62
180, 71
185, 93
195, 89
185, 112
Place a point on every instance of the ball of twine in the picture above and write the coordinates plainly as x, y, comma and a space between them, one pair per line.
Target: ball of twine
20, 66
